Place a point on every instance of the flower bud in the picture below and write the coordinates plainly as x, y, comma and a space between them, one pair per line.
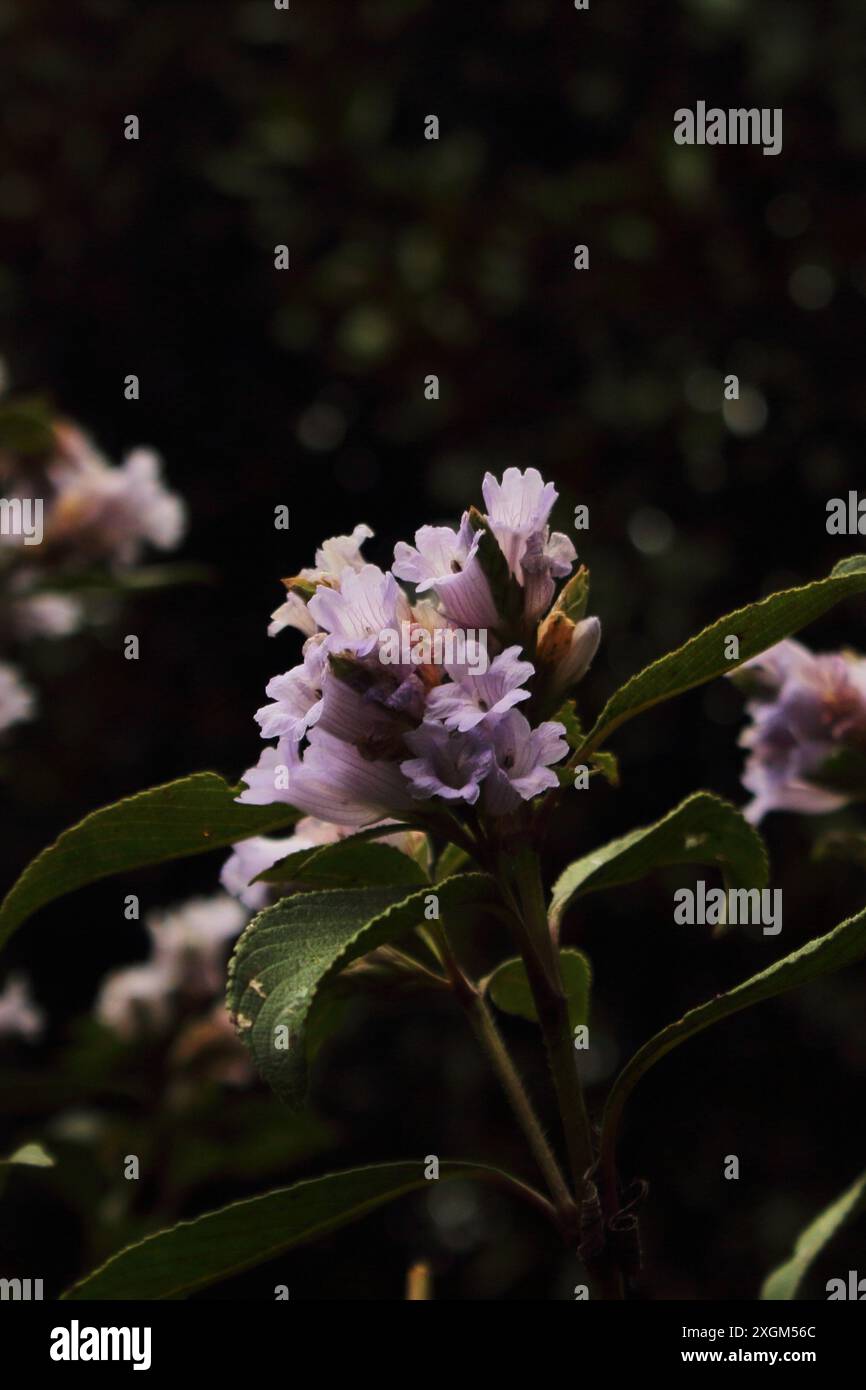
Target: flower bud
566, 649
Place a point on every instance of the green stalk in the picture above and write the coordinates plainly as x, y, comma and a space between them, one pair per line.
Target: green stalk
541, 958
484, 1027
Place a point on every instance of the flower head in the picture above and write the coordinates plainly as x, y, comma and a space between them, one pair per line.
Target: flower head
110, 512
391, 710
806, 708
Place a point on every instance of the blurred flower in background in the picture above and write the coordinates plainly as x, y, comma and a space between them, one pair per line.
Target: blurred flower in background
19, 1015
806, 710
71, 521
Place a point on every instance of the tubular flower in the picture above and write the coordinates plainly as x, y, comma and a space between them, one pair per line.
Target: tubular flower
403, 703
806, 710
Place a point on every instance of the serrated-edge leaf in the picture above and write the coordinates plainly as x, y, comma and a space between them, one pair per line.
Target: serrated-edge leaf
844, 945
757, 625
784, 1282
202, 807
689, 834
265, 991
176, 1262
320, 864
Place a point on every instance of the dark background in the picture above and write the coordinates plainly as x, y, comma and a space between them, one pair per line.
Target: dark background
305, 387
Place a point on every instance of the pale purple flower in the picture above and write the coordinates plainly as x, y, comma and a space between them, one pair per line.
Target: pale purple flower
517, 507
268, 780
446, 561
17, 701
333, 781
190, 940
375, 716
447, 764
522, 757
382, 678
292, 613
136, 1000
252, 857
470, 699
783, 787
19, 1016
770, 669
296, 696
46, 615
547, 557
813, 706
188, 947
367, 603
338, 554
112, 512
335, 555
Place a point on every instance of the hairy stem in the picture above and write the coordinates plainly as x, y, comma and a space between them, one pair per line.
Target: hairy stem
484, 1027
541, 958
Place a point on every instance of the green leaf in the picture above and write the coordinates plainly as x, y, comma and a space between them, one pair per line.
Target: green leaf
450, 861
508, 987
190, 816
785, 1281
568, 716
608, 765
842, 946
31, 1155
291, 950
574, 596
758, 626
353, 860
175, 1263
703, 829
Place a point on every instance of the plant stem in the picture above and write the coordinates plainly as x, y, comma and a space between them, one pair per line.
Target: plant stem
483, 1025
541, 958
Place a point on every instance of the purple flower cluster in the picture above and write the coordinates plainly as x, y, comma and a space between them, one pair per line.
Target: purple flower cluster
805, 709
367, 728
